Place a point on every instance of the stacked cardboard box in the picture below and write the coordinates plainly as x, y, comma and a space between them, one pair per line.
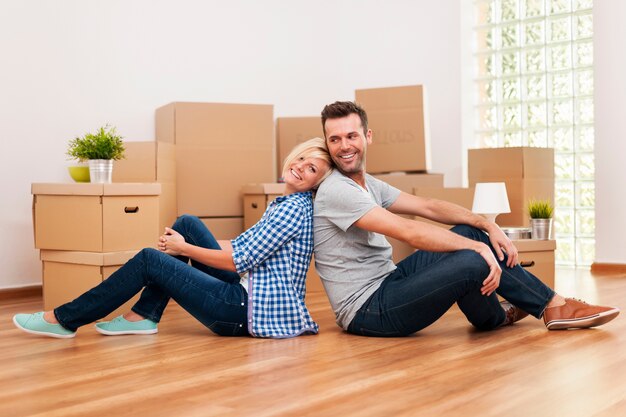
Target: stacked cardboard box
527, 172
87, 231
291, 131
399, 122
151, 162
219, 149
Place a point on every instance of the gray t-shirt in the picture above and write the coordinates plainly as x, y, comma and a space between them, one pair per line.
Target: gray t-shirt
351, 262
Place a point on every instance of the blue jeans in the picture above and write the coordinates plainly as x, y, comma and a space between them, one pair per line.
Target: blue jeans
426, 284
212, 296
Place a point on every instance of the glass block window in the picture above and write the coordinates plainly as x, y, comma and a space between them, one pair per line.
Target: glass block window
534, 87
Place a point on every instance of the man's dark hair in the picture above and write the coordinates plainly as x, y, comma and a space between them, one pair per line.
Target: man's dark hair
340, 109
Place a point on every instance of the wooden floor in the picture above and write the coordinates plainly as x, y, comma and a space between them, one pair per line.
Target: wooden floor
446, 370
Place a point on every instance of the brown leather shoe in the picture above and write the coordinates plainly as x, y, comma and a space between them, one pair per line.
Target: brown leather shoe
576, 314
513, 313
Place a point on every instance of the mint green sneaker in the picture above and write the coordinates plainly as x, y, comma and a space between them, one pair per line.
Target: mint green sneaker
35, 324
120, 325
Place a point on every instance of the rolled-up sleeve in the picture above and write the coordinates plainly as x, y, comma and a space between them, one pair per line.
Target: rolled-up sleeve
281, 225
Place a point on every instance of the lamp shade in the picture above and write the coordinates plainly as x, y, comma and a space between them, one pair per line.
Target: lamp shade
490, 199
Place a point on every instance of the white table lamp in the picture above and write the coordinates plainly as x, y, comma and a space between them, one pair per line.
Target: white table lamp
490, 199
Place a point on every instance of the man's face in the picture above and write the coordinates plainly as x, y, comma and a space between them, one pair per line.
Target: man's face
347, 144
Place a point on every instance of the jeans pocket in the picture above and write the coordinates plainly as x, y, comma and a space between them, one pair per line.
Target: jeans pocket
224, 328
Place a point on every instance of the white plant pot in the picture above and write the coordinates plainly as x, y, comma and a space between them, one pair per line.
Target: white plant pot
101, 170
541, 229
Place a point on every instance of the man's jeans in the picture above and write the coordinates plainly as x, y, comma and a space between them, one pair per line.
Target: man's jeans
212, 296
426, 284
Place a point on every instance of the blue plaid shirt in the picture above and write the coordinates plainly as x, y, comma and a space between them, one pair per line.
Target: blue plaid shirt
276, 253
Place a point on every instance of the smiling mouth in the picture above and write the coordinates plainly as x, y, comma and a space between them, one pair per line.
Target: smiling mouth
349, 156
295, 174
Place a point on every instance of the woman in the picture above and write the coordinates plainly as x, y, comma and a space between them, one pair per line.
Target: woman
253, 285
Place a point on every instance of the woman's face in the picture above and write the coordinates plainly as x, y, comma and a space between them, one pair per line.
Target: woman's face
304, 173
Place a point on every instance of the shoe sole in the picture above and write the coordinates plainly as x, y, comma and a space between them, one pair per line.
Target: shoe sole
125, 332
49, 334
583, 322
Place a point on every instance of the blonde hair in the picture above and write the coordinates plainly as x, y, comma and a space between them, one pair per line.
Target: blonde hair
312, 148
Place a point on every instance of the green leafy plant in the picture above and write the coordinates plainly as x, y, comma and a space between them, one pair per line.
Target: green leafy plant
540, 209
104, 144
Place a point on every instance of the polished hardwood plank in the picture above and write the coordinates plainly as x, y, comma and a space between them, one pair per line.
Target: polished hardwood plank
449, 369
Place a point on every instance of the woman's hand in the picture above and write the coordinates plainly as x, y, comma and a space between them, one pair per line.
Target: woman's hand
171, 242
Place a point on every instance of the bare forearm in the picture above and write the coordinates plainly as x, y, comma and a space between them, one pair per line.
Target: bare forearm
435, 239
439, 211
220, 259
453, 214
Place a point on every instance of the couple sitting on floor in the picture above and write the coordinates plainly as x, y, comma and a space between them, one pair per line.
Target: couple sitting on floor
255, 284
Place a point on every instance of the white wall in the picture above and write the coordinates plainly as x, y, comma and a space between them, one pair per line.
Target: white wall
610, 129
70, 66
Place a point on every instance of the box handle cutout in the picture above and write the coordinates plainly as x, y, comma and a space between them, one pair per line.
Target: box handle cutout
255, 205
527, 264
134, 209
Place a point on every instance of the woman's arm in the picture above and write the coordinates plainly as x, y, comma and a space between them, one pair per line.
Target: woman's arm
275, 230
174, 244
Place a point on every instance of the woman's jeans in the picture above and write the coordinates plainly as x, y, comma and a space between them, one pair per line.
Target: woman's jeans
426, 284
212, 296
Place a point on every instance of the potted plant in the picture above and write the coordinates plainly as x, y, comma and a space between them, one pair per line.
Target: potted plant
100, 149
540, 212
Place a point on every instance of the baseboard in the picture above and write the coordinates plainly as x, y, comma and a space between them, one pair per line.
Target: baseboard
608, 268
21, 292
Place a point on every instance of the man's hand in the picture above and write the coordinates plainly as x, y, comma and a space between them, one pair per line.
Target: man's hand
492, 282
501, 242
171, 242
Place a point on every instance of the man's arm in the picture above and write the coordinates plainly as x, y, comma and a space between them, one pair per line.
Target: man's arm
425, 236
452, 214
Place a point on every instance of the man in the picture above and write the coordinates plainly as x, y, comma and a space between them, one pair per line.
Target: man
371, 296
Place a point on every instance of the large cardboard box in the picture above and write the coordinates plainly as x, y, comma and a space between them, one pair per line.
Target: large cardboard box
256, 199
68, 274
399, 122
408, 181
291, 131
96, 217
146, 161
219, 148
224, 228
464, 197
527, 172
537, 257
151, 162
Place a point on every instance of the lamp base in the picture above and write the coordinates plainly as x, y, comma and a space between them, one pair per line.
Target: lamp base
491, 217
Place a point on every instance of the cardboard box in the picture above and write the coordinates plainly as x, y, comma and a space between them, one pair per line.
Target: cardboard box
408, 181
68, 274
464, 197
219, 148
151, 162
537, 257
96, 217
399, 122
527, 172
256, 199
146, 162
224, 228
291, 131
